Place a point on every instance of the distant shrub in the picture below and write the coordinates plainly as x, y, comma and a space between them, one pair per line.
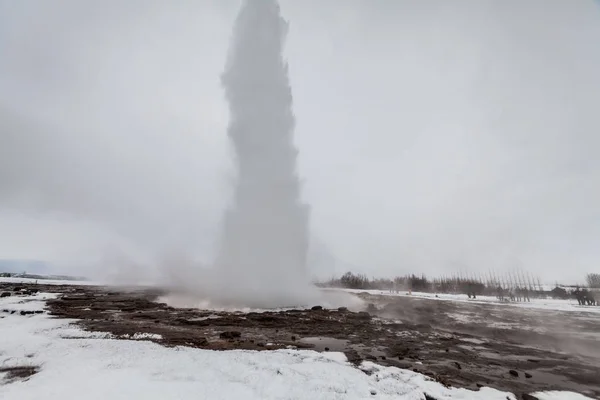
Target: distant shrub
593, 280
419, 284
559, 293
352, 281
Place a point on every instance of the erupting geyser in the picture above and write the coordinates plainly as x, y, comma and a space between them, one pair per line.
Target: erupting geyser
265, 233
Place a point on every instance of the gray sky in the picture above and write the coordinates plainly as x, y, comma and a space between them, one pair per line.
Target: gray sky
434, 136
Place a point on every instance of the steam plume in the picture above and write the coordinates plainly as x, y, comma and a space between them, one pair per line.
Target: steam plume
265, 232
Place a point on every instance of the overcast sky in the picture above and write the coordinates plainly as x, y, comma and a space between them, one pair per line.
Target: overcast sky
434, 136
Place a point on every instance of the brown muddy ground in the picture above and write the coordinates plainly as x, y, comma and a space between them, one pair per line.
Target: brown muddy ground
457, 343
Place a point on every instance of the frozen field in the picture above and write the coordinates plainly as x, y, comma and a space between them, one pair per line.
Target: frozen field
47, 281
50, 358
64, 362
545, 304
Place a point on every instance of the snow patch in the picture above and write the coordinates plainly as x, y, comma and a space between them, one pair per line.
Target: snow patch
47, 281
142, 336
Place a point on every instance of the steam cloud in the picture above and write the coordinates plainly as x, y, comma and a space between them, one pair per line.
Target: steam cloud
265, 238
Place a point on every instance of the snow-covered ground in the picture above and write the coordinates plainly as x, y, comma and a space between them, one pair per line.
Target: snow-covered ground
47, 281
76, 364
546, 304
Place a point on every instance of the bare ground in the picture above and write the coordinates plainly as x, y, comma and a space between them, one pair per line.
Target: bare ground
457, 343
18, 373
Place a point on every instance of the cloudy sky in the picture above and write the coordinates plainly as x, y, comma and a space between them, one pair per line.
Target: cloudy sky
434, 136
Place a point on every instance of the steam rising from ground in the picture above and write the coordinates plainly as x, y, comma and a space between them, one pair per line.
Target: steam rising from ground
262, 259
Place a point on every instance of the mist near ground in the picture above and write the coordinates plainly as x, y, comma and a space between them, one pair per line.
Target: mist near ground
433, 136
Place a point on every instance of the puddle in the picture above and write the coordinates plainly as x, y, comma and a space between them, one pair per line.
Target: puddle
473, 340
320, 343
205, 318
557, 380
497, 356
377, 352
478, 349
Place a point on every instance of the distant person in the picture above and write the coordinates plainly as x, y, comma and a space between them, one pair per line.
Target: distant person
580, 296
526, 295
588, 298
500, 293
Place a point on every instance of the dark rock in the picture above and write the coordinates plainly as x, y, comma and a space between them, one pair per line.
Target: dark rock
383, 357
363, 315
39, 312
326, 348
526, 396
293, 338
373, 393
513, 373
20, 372
230, 335
317, 308
479, 385
353, 357
5, 294
343, 309
457, 364
533, 360
267, 319
429, 397
371, 358
528, 375
447, 350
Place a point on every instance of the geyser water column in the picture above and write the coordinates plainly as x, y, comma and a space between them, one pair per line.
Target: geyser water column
265, 233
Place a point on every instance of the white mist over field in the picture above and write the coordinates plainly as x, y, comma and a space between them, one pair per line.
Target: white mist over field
265, 236
434, 137
262, 256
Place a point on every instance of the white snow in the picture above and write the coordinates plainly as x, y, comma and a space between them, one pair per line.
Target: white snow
26, 303
142, 336
76, 364
47, 281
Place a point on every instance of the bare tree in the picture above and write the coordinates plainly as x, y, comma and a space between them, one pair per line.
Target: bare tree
593, 280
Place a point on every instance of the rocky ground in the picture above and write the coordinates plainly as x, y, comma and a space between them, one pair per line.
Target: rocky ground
457, 343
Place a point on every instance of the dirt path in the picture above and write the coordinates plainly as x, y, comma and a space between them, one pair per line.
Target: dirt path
459, 344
